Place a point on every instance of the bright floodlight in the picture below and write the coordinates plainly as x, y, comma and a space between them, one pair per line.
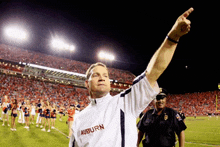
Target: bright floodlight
60, 44
106, 56
56, 43
16, 33
71, 48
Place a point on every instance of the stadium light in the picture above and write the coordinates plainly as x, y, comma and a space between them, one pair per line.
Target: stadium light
106, 56
15, 32
60, 44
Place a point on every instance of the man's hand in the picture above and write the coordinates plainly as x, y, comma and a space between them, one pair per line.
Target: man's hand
181, 26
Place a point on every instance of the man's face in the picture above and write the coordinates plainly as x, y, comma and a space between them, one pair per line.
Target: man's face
98, 82
160, 104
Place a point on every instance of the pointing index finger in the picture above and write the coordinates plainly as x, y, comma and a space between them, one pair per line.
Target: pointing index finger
188, 12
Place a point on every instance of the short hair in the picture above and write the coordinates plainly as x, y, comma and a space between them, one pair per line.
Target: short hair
88, 72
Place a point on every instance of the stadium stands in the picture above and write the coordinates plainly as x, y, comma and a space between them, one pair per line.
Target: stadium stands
25, 87
193, 104
25, 56
198, 103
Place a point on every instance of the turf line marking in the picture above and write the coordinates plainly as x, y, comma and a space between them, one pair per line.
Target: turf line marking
61, 132
203, 144
203, 132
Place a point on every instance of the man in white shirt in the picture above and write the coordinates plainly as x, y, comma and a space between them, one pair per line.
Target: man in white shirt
110, 121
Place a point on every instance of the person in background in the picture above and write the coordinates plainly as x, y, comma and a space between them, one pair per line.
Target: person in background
47, 111
39, 110
19, 112
23, 111
10, 109
5, 110
160, 125
14, 112
27, 109
42, 114
53, 116
71, 113
62, 109
33, 112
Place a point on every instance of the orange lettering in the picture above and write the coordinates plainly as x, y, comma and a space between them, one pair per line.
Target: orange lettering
83, 132
88, 131
101, 126
92, 130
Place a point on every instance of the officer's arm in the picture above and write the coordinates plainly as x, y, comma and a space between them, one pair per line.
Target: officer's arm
164, 54
181, 139
140, 136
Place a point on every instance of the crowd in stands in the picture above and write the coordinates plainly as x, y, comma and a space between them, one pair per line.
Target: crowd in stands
198, 103
25, 88
10, 66
193, 104
26, 56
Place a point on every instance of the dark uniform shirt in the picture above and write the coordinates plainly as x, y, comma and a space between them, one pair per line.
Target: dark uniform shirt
182, 115
160, 129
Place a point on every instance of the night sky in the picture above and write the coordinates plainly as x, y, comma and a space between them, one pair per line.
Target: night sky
132, 31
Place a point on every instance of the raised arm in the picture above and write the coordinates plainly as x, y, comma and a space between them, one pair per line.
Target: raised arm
164, 54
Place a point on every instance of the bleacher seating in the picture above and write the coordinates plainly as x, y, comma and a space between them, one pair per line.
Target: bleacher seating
16, 54
193, 104
198, 103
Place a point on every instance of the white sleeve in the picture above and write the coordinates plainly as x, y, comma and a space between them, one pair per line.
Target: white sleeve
139, 95
73, 142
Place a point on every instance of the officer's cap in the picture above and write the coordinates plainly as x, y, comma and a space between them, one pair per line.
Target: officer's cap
163, 93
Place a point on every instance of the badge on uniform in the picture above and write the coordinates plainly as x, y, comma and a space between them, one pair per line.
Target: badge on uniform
178, 117
165, 116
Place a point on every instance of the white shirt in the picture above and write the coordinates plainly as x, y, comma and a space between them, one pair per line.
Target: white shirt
110, 121
76, 113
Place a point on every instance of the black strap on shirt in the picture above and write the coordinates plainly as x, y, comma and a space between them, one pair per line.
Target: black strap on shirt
122, 122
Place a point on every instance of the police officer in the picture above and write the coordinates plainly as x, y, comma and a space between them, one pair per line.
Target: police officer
159, 125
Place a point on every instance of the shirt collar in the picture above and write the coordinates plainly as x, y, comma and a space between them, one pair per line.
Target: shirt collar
155, 111
95, 101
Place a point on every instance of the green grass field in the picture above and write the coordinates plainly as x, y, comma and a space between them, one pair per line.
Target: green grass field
200, 132
34, 137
